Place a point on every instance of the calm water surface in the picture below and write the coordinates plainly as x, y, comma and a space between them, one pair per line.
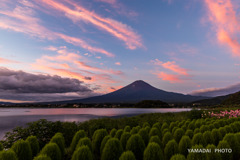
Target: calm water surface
12, 117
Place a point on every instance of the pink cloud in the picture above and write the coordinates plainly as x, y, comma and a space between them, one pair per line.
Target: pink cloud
3, 60
168, 77
115, 28
171, 65
22, 18
118, 63
223, 16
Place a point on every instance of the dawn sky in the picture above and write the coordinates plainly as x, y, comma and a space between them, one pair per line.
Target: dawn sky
66, 49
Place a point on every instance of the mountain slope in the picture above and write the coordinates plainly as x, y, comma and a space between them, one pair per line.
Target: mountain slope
232, 99
136, 92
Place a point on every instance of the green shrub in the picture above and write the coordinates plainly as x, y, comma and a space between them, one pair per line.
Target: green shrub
191, 125
157, 125
97, 140
184, 127
113, 132
154, 132
78, 135
207, 136
189, 133
52, 150
124, 138
1, 146
204, 128
136, 144
167, 137
196, 130
217, 136
225, 155
104, 141
172, 125
164, 126
33, 144
85, 142
59, 140
170, 149
127, 129
147, 129
216, 125
232, 140
153, 152
197, 155
174, 129
198, 139
198, 124
128, 155
164, 131
82, 153
118, 134
223, 131
8, 155
178, 157
112, 150
134, 130
145, 124
157, 140
228, 129
42, 157
184, 144
143, 133
23, 150
178, 134
213, 155
211, 127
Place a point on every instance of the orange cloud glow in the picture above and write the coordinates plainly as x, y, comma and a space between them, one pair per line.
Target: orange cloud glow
168, 77
115, 28
222, 14
23, 19
171, 65
3, 60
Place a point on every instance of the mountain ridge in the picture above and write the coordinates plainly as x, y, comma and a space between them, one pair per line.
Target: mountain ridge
137, 91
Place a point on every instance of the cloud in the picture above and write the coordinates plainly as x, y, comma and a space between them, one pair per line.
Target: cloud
3, 60
118, 63
223, 16
21, 17
168, 77
213, 92
171, 65
80, 14
23, 82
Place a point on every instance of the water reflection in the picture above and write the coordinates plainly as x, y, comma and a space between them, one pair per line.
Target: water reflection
12, 117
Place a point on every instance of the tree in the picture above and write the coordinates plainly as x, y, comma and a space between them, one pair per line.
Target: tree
42, 157
128, 155
167, 137
184, 145
136, 144
82, 153
153, 152
197, 155
170, 149
124, 138
213, 155
23, 150
59, 140
85, 142
52, 150
112, 150
178, 157
78, 135
178, 134
33, 144
8, 155
143, 133
97, 140
1, 146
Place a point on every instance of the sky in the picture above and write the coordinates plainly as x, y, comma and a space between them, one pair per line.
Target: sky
66, 49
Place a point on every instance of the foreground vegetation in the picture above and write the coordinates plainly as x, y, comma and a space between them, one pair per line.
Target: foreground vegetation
145, 137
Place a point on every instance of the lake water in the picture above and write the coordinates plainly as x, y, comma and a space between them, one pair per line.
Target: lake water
13, 117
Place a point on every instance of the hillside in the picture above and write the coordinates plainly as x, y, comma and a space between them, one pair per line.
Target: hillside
232, 99
136, 92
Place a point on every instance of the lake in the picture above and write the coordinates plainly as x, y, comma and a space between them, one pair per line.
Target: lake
13, 117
